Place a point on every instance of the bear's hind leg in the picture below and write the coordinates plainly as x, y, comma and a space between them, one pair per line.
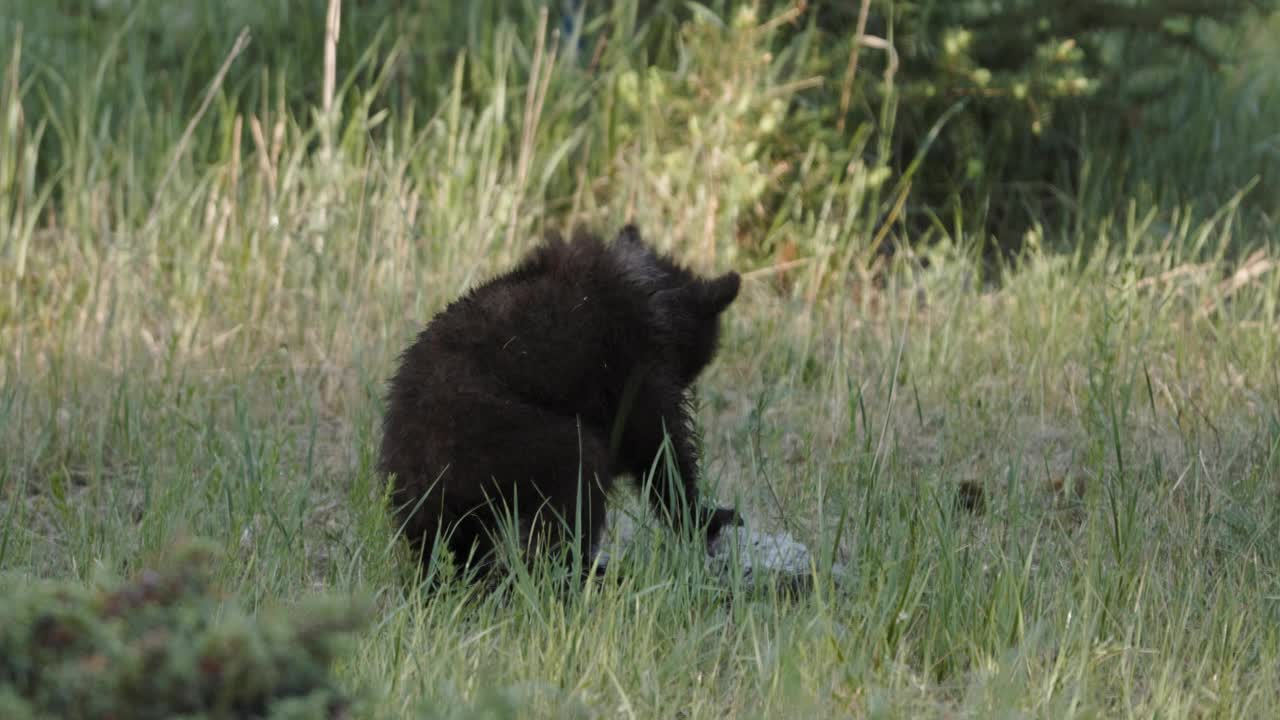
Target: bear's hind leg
550, 473
570, 489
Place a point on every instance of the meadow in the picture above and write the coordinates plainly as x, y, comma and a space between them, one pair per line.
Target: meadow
203, 291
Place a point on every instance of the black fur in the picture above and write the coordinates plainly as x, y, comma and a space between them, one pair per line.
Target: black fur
531, 393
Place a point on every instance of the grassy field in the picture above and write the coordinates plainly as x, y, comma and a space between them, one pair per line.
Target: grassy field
200, 303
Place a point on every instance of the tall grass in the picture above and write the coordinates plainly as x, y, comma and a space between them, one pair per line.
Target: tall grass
195, 333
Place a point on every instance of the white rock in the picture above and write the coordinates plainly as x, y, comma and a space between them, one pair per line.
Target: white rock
754, 550
777, 554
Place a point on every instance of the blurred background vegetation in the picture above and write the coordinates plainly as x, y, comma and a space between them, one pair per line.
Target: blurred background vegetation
1033, 116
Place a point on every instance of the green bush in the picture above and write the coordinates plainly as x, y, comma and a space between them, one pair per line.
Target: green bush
164, 645
988, 117
1028, 89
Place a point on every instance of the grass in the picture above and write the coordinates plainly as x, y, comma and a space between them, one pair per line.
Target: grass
205, 356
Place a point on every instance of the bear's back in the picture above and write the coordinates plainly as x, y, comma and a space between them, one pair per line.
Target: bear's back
561, 332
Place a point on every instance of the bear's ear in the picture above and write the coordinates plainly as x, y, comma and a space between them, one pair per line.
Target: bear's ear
630, 235
638, 264
719, 293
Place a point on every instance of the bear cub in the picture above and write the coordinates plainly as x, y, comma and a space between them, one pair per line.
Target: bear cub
527, 396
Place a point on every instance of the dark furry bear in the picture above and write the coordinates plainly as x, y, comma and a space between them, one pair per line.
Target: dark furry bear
531, 393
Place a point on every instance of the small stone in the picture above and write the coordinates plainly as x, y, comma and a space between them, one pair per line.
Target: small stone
970, 496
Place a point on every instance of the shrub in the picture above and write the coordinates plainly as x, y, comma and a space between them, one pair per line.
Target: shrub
1027, 88
163, 645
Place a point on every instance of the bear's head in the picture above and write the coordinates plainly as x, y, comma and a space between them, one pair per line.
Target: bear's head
685, 308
